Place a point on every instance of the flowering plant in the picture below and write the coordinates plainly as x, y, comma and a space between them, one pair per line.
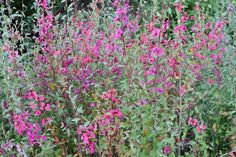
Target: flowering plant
109, 82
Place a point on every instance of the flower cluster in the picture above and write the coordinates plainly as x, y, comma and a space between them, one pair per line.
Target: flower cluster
110, 95
109, 117
37, 103
103, 79
199, 126
24, 127
10, 145
12, 55
23, 123
88, 136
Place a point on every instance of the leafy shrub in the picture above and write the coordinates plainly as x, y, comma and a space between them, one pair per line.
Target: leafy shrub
111, 82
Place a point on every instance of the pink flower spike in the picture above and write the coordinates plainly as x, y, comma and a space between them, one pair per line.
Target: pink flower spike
32, 105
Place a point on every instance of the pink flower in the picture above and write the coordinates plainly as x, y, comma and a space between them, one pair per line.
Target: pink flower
30, 126
116, 113
92, 147
56, 53
119, 113
211, 36
85, 138
31, 137
180, 28
159, 90
37, 113
34, 95
204, 42
41, 98
156, 32
192, 122
167, 150
107, 118
42, 104
105, 95
86, 60
92, 104
91, 134
20, 124
47, 108
119, 33
172, 62
43, 4
13, 55
210, 81
213, 56
32, 105
43, 121
199, 129
43, 137
112, 92
88, 137
157, 50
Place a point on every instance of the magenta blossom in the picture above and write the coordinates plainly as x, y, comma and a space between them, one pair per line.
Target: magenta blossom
192, 121
201, 127
167, 150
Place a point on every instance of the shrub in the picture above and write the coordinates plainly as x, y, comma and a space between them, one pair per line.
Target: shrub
109, 82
